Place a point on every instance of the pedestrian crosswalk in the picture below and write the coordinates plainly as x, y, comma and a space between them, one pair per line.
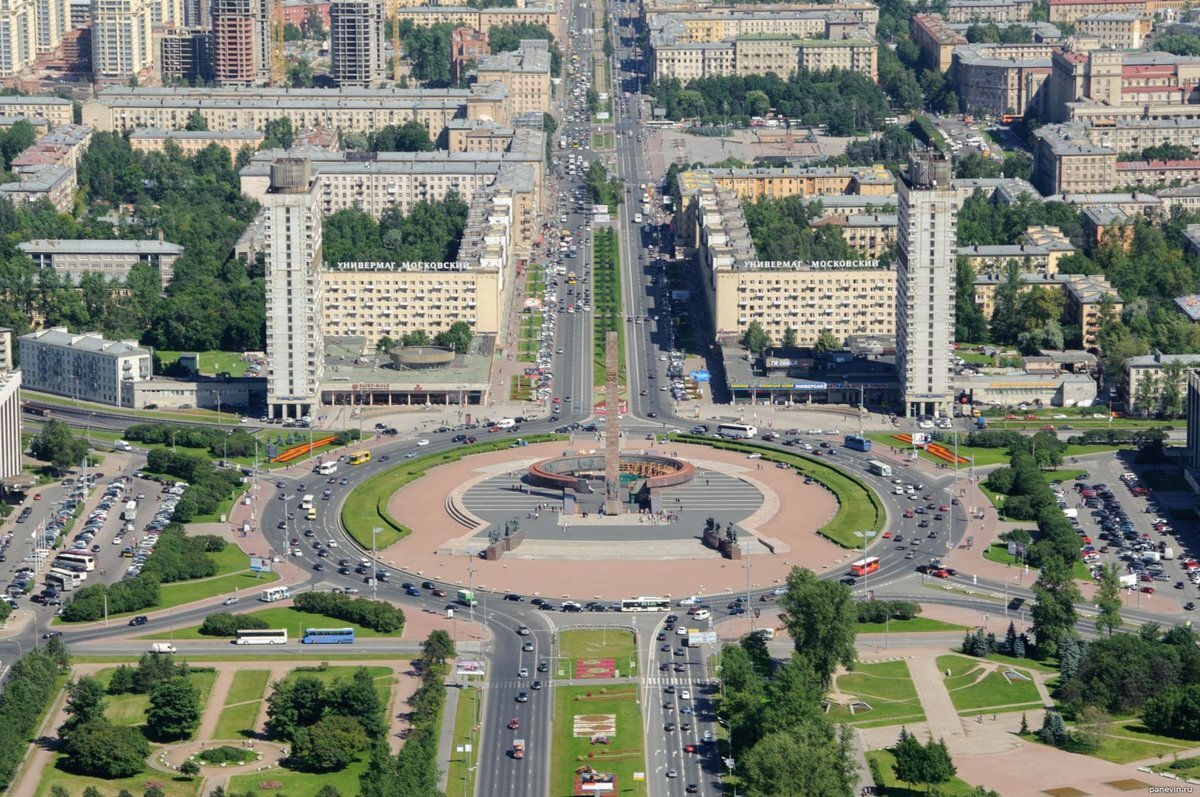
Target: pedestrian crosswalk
674, 679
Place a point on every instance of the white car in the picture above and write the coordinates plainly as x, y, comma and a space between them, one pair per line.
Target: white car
685, 695
332, 543
232, 599
422, 442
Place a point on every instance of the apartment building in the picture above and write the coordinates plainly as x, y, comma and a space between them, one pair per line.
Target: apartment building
193, 142
55, 184
480, 19
1119, 30
760, 54
18, 36
937, 40
925, 285
1001, 79
52, 19
872, 234
295, 339
998, 11
185, 54
758, 183
54, 110
356, 36
843, 297
84, 365
1148, 375
1084, 296
525, 74
10, 410
371, 300
1066, 162
301, 12
1113, 84
72, 258
241, 42
347, 110
122, 40
1070, 11
64, 146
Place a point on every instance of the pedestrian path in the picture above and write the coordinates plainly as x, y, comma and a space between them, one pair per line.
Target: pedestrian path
940, 714
446, 738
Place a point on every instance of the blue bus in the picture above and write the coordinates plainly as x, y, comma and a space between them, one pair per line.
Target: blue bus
857, 442
328, 636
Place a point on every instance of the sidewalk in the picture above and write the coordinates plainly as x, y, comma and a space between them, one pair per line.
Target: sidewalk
940, 715
446, 737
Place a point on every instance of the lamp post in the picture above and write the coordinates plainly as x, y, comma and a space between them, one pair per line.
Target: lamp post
471, 581
374, 562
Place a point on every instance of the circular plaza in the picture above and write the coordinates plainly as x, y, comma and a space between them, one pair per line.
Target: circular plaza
500, 521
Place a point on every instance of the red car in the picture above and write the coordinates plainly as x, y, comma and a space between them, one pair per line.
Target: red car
939, 573
887, 535
908, 513
1148, 590
513, 725
37, 496
943, 508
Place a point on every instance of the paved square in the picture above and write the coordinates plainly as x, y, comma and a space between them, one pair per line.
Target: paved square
588, 726
595, 668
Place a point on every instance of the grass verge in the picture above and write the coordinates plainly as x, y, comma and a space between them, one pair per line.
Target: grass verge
882, 761
237, 722
367, 506
300, 784
606, 304
57, 775
859, 508
623, 755
998, 552
886, 687
461, 778
603, 644
293, 620
917, 625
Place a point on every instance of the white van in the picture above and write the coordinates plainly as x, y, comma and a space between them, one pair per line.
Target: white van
506, 423
702, 614
162, 647
121, 445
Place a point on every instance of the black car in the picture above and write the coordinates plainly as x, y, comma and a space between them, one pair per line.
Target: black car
51, 634
345, 571
514, 597
849, 581
427, 585
319, 566
141, 619
413, 591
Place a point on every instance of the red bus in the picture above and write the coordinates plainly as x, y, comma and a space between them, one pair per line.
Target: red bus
864, 567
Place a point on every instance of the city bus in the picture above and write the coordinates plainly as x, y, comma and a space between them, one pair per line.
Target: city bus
737, 431
857, 442
646, 604
327, 468
64, 579
879, 468
864, 567
272, 594
307, 502
328, 636
130, 511
86, 560
261, 636
360, 457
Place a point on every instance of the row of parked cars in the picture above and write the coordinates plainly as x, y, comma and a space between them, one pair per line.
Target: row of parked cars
166, 511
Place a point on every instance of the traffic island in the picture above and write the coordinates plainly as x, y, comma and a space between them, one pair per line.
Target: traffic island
597, 740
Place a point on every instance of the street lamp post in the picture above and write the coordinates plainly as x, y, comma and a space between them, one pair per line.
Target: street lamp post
374, 562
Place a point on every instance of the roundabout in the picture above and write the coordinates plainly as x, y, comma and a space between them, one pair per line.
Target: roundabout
456, 510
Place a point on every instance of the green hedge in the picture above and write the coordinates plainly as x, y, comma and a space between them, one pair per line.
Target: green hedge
366, 507
859, 508
379, 616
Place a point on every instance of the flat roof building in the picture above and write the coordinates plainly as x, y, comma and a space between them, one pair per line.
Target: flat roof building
83, 365
112, 259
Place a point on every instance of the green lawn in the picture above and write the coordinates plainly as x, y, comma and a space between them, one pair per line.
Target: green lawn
211, 362
247, 685
300, 784
367, 505
293, 620
1183, 767
237, 722
603, 644
130, 709
992, 691
461, 778
1126, 740
883, 760
56, 775
978, 456
887, 687
858, 506
914, 626
625, 753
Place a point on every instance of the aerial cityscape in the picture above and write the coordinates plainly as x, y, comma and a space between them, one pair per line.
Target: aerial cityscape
649, 397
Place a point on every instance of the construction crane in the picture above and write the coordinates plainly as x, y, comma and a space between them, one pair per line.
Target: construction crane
278, 59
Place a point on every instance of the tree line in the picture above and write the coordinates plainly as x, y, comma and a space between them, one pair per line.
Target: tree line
30, 686
127, 595
413, 772
431, 231
457, 337
178, 557
207, 487
843, 101
377, 615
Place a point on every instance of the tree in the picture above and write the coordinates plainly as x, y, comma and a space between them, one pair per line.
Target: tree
757, 103
189, 769
104, 750
821, 618
412, 136
811, 758
457, 337
909, 755
279, 133
196, 121
827, 341
755, 338
358, 699
1053, 730
295, 703
59, 791
154, 790
385, 344
1055, 596
174, 709
328, 790
85, 703
438, 646
57, 445
789, 338
328, 745
1108, 600
937, 767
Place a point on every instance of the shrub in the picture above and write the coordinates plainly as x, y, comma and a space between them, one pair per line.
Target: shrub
104, 750
27, 693
226, 754
226, 624
178, 557
379, 616
126, 595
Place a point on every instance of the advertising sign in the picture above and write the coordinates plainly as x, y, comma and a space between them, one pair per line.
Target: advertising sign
260, 564
700, 376
469, 667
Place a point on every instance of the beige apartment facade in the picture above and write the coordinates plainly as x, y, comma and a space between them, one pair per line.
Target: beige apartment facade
960, 11
191, 142
482, 20
1117, 29
525, 74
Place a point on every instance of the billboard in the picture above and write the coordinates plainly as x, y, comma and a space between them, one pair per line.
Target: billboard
260, 564
921, 438
469, 667
700, 376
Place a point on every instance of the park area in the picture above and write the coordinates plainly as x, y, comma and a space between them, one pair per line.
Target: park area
599, 728
875, 695
228, 740
981, 686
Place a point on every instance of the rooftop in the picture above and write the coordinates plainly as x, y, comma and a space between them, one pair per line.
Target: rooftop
87, 246
60, 337
1189, 305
